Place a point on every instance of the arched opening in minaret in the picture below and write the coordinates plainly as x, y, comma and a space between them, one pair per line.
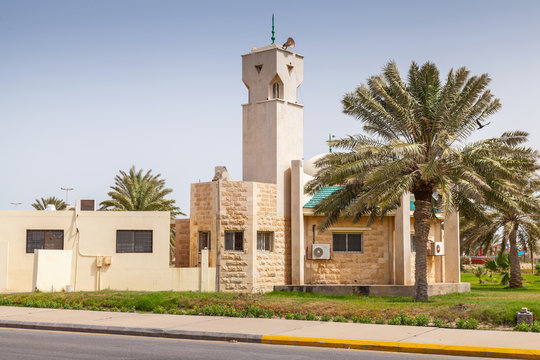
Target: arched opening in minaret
276, 88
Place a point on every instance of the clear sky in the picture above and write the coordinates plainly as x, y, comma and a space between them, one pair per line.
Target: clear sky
91, 87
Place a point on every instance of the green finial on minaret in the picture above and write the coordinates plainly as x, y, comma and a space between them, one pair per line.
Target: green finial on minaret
273, 32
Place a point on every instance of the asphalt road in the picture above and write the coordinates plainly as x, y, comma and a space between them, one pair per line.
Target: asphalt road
36, 344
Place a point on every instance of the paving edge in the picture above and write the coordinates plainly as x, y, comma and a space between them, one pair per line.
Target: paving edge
394, 346
478, 351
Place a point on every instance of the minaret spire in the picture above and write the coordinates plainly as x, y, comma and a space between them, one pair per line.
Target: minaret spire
273, 32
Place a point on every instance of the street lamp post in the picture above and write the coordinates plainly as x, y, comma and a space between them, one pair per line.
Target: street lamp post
66, 190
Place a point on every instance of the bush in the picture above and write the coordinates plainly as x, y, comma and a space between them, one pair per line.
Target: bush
159, 310
396, 320
326, 317
422, 320
311, 316
298, 316
523, 326
289, 316
537, 268
535, 327
340, 318
379, 321
467, 324
437, 322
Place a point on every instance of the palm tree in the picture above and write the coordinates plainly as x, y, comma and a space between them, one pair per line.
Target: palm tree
138, 191
511, 216
417, 130
41, 204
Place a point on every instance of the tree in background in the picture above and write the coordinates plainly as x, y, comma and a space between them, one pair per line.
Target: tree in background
139, 191
417, 130
41, 204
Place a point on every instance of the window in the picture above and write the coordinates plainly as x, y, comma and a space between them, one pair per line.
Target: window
275, 90
234, 240
265, 240
347, 242
413, 243
44, 239
204, 240
133, 241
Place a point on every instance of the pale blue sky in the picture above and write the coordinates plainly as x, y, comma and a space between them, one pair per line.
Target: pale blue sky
91, 87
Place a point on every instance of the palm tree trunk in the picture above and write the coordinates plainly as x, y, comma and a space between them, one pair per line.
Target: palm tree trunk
515, 269
422, 222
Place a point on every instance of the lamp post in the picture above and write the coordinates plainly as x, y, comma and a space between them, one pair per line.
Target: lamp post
16, 204
66, 190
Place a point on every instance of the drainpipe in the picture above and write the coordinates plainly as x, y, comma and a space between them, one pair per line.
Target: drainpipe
218, 237
313, 229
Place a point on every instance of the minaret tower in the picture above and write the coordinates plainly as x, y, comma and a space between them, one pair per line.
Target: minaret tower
272, 119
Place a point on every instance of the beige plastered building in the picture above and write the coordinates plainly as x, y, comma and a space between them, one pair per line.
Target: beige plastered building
90, 251
261, 232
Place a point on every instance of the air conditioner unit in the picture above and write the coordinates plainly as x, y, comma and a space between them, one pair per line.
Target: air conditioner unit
320, 251
86, 205
439, 248
435, 248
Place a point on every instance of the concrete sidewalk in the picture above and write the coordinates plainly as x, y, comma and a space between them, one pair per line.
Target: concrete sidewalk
487, 343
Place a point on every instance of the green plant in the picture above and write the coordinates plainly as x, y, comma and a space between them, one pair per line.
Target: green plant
437, 322
379, 320
501, 265
340, 318
311, 316
467, 323
362, 319
479, 272
396, 320
537, 268
326, 317
535, 326
422, 320
298, 316
523, 326
289, 316
159, 310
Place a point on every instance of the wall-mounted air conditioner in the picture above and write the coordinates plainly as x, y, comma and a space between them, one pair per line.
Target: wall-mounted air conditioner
435, 248
320, 251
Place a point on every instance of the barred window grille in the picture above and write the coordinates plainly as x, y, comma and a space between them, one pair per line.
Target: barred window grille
44, 239
134, 241
204, 240
265, 241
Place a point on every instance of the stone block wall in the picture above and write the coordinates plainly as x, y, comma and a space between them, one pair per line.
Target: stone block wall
272, 267
203, 212
182, 242
236, 274
372, 266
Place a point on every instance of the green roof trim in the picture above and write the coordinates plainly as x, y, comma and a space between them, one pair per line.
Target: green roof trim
327, 191
320, 196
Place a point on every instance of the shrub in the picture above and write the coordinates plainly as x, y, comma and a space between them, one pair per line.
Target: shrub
298, 316
523, 326
77, 307
340, 318
422, 320
362, 319
311, 316
396, 320
5, 301
535, 327
289, 316
437, 322
326, 317
537, 268
467, 323
159, 310
379, 321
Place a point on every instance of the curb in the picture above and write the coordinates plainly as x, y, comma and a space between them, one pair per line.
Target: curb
435, 349
438, 349
120, 330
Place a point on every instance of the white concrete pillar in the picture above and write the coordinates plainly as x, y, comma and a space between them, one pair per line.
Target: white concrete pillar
297, 223
451, 248
203, 271
402, 239
4, 256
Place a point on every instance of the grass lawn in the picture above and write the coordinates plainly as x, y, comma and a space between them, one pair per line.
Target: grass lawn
492, 304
